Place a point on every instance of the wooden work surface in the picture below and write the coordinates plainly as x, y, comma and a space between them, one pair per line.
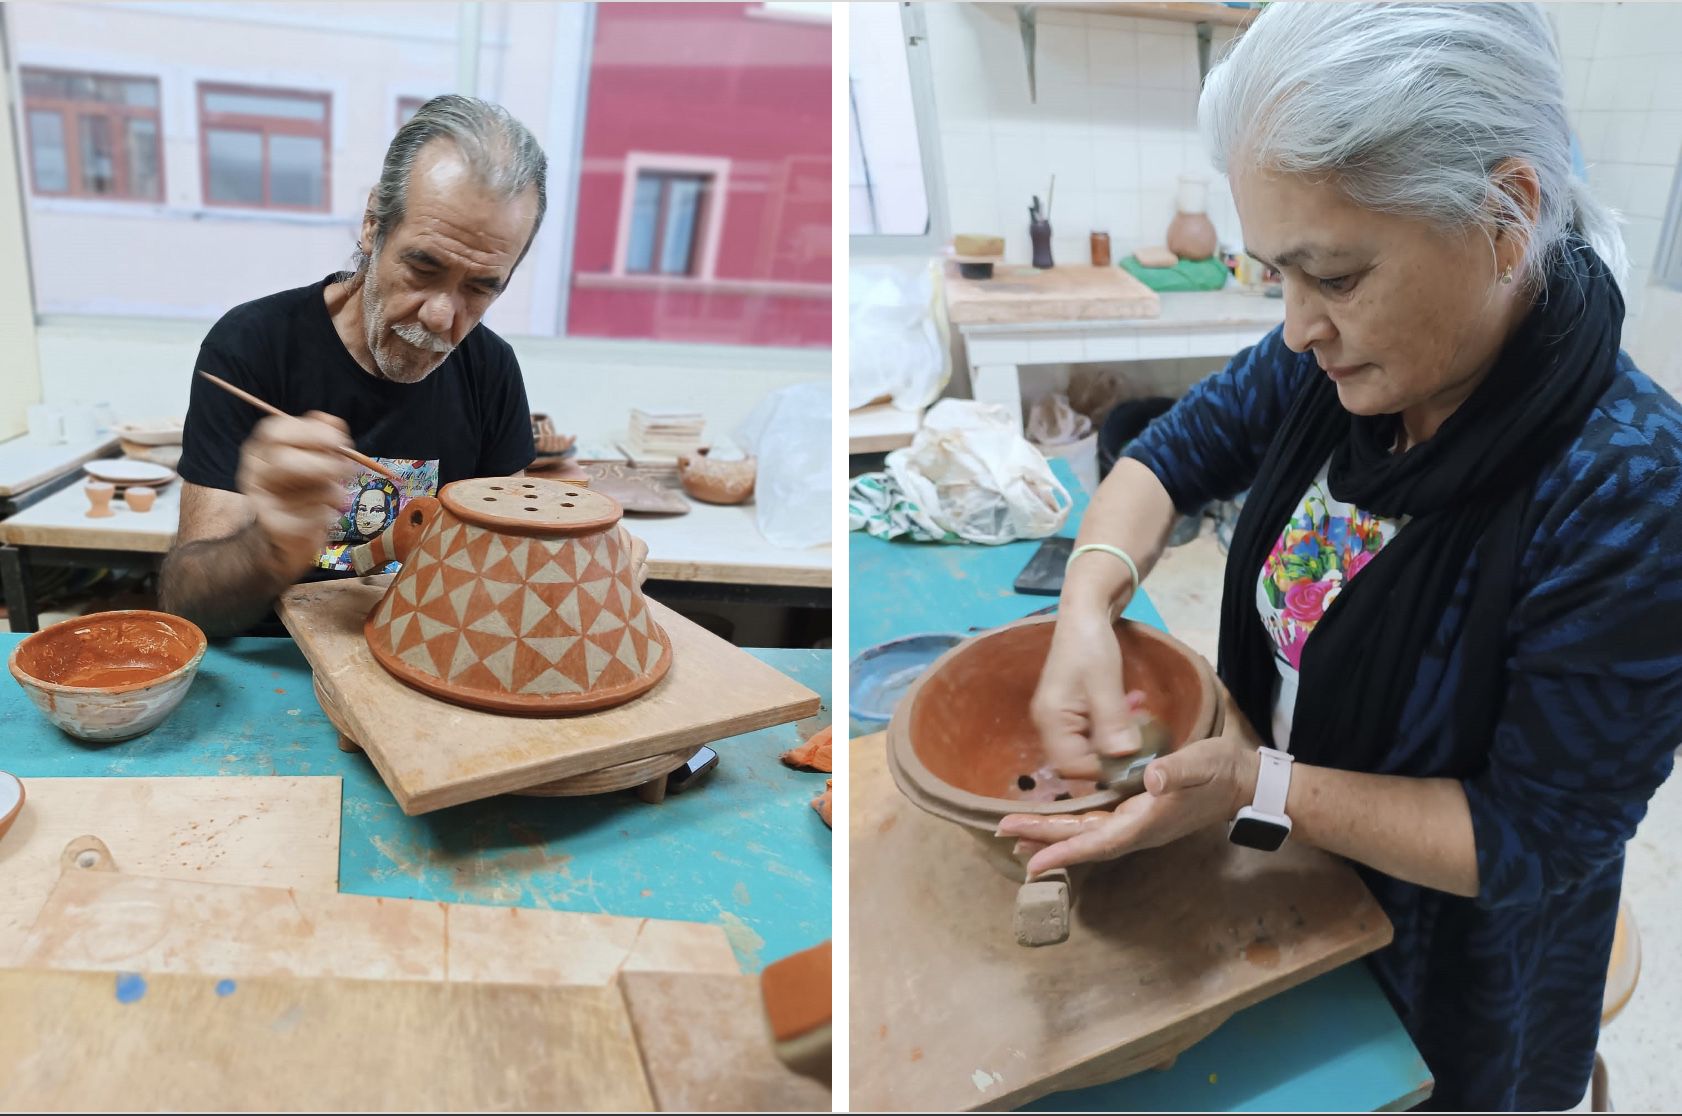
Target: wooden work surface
721, 543
98, 920
61, 520
432, 753
275, 831
707, 1048
742, 849
24, 464
109, 1042
948, 1012
1017, 294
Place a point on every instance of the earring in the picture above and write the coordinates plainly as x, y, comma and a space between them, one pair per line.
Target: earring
1507, 275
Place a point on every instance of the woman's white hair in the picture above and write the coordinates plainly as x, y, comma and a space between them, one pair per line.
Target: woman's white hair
1411, 108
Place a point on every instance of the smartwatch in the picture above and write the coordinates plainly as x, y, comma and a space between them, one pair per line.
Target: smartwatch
1263, 824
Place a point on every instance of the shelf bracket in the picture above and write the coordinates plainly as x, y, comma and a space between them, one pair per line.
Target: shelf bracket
1027, 21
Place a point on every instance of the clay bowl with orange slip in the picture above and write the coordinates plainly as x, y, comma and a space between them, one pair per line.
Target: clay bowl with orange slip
962, 746
109, 676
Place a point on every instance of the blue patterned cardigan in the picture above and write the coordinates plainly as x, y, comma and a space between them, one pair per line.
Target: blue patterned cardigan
1502, 993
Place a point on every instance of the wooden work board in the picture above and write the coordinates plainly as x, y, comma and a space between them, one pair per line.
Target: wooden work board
1017, 295
949, 1013
151, 1042
432, 753
279, 831
707, 1048
104, 918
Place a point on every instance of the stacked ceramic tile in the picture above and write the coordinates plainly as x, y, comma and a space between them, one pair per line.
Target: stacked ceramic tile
664, 433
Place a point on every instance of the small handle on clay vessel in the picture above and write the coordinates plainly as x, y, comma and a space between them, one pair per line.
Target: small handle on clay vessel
395, 542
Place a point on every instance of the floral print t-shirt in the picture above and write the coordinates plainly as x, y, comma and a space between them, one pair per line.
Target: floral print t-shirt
1324, 545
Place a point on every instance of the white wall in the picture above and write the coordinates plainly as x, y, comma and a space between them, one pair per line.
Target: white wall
1623, 77
143, 369
1115, 121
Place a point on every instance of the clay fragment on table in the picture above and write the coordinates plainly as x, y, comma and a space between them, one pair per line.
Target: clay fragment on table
815, 754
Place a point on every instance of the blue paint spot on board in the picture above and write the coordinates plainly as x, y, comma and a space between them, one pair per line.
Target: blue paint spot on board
130, 987
224, 988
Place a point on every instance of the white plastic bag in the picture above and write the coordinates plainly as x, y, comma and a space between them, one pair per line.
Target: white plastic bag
1052, 422
969, 471
789, 433
896, 329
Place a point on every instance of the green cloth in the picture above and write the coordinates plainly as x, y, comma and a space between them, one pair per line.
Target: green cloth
1187, 275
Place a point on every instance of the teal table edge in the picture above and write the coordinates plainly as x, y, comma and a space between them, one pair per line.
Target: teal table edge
1330, 1044
743, 850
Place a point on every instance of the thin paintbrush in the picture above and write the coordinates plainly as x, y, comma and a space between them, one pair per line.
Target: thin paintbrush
239, 393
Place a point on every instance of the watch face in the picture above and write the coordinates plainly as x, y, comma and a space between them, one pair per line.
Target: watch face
1253, 833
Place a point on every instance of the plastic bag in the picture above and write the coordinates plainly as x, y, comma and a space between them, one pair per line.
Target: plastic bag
897, 338
1052, 422
970, 472
789, 432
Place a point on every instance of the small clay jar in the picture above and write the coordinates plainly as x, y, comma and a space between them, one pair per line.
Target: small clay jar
1191, 235
99, 495
716, 482
1100, 249
140, 498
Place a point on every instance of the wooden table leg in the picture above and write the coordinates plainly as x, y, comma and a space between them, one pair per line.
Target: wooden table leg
19, 589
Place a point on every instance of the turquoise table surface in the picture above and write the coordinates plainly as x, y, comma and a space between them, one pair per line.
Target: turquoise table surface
1331, 1044
742, 849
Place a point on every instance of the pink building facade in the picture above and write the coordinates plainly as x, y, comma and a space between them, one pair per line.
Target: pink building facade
704, 210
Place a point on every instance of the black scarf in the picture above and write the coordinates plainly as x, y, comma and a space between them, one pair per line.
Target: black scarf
1467, 487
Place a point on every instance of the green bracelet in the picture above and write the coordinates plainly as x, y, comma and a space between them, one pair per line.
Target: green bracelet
1132, 567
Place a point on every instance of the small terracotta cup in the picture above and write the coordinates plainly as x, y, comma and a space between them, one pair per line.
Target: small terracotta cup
99, 495
140, 498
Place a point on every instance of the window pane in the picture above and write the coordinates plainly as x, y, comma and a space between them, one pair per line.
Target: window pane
99, 165
295, 170
645, 212
46, 144
236, 166
143, 178
141, 94
887, 164
265, 104
46, 83
677, 240
712, 86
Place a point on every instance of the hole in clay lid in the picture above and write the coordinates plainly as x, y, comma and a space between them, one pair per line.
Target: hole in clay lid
490, 499
531, 509
566, 505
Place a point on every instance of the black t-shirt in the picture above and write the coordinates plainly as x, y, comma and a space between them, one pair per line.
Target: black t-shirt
469, 418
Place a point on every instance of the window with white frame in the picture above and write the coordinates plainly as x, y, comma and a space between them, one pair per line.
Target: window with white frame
670, 216
894, 179
92, 135
407, 107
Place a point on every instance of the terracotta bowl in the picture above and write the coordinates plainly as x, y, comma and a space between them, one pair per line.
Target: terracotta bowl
112, 675
11, 800
716, 482
961, 744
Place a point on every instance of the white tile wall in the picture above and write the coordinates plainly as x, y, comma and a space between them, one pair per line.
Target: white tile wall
1623, 78
1115, 120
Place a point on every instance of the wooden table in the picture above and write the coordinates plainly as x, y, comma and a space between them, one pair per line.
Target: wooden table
1027, 331
30, 472
58, 532
743, 849
1333, 1043
712, 553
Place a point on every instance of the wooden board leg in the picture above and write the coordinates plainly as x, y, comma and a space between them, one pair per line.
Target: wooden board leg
653, 792
346, 744
1000, 384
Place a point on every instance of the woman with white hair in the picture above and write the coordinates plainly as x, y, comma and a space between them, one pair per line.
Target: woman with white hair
1452, 620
